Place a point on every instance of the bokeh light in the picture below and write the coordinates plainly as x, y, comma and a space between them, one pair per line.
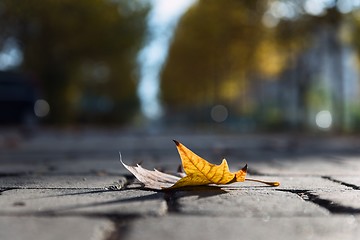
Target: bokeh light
219, 113
323, 119
41, 108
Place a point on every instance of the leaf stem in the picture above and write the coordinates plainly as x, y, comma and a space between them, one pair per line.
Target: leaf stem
274, 184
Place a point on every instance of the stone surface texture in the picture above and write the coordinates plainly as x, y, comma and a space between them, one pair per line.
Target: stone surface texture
70, 184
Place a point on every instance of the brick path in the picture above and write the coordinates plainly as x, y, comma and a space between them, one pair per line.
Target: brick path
55, 185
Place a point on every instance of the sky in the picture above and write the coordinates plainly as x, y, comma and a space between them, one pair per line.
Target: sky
10, 55
162, 22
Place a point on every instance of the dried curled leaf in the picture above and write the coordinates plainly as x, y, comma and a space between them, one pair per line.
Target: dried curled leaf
151, 179
198, 172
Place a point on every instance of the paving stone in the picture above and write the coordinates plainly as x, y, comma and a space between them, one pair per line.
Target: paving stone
97, 165
108, 164
351, 180
80, 165
247, 203
305, 166
344, 198
14, 168
351, 161
63, 228
94, 141
58, 181
240, 227
293, 182
66, 201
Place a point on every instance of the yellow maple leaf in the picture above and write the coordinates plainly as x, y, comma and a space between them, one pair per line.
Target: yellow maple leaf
201, 172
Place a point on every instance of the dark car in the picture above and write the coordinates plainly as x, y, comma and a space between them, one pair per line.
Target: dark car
17, 99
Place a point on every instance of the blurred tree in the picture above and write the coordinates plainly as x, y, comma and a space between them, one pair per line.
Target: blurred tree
310, 41
83, 52
211, 51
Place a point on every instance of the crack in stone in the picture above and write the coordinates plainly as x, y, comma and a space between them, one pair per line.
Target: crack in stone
353, 186
329, 205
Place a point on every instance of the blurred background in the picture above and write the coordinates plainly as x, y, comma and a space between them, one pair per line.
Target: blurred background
240, 66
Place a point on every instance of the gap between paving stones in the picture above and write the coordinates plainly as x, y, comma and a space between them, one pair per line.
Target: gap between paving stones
5, 189
353, 186
331, 206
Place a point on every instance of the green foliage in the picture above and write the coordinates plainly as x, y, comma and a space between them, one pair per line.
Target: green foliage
79, 50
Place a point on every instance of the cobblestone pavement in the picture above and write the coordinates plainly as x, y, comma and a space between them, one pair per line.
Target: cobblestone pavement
70, 185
